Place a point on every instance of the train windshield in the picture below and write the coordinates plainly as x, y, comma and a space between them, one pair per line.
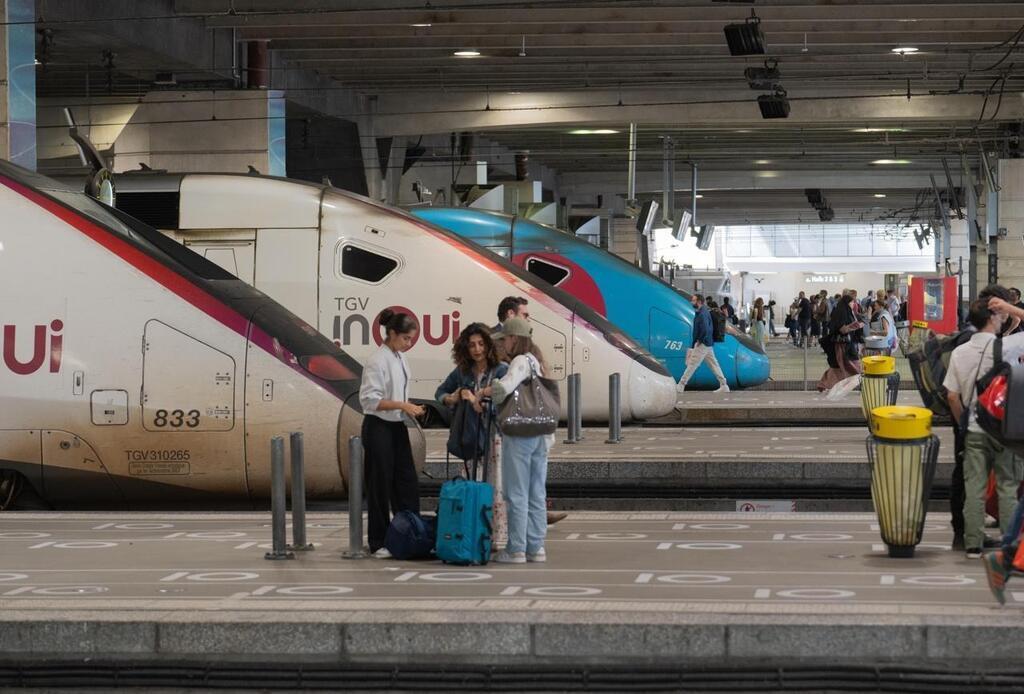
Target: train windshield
313, 352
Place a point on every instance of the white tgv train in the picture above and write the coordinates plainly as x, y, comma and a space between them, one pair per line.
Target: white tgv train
134, 372
338, 259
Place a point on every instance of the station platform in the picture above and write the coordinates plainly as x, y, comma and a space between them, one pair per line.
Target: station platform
142, 598
771, 408
709, 468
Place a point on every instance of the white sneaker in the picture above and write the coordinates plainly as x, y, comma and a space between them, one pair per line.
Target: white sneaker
680, 387
540, 556
504, 557
723, 389
382, 553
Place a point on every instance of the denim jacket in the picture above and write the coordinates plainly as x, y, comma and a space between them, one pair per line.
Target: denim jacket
459, 379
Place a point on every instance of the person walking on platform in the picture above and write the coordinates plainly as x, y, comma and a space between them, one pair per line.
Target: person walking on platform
804, 318
772, 331
391, 483
982, 453
524, 459
703, 348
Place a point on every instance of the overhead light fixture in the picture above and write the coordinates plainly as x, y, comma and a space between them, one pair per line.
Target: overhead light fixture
879, 195
744, 131
699, 196
879, 130
599, 131
165, 79
765, 78
745, 38
767, 174
774, 105
468, 53
905, 50
890, 161
762, 162
421, 25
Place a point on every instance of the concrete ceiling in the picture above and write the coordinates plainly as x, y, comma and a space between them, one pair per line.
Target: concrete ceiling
549, 67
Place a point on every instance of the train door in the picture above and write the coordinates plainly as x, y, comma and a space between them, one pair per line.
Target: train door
188, 406
286, 269
237, 257
553, 344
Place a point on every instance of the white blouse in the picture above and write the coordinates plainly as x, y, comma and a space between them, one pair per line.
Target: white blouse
385, 377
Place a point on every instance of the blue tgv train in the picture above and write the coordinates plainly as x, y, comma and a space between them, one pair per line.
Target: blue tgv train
655, 314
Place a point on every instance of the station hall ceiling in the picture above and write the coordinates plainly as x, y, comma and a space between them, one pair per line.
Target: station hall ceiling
830, 54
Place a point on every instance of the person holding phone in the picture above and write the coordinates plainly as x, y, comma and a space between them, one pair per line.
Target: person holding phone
391, 483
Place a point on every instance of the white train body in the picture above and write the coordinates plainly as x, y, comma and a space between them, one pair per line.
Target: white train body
130, 375
338, 259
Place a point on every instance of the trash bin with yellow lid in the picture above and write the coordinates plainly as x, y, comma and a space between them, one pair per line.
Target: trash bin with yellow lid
903, 454
879, 384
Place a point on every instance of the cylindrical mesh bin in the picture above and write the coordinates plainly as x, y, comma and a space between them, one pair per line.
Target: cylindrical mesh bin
903, 454
879, 384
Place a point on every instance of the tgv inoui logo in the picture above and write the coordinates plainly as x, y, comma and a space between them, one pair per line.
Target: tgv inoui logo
40, 348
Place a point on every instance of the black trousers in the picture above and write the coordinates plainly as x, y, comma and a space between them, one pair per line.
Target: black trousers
956, 486
391, 483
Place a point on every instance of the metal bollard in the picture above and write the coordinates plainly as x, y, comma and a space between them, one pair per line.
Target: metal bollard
571, 405
614, 409
805, 367
355, 500
277, 501
299, 543
579, 407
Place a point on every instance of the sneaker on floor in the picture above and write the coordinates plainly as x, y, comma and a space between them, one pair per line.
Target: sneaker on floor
540, 556
973, 552
996, 574
382, 553
723, 389
555, 516
505, 557
991, 521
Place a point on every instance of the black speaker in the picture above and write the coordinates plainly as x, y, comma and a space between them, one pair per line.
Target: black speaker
645, 222
773, 105
746, 38
704, 237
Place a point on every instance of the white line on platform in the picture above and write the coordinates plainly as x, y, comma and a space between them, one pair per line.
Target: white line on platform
406, 576
644, 578
511, 590
762, 593
887, 580
263, 590
172, 577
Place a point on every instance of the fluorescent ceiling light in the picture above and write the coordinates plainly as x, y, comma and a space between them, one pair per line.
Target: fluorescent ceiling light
762, 161
879, 130
468, 53
421, 25
600, 131
879, 195
699, 196
891, 161
767, 174
905, 50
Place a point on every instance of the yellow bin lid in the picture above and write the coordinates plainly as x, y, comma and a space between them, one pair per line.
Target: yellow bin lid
879, 366
901, 422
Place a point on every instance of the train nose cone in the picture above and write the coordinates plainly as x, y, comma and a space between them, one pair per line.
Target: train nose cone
752, 368
650, 394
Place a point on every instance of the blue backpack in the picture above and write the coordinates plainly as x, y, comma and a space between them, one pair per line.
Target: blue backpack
465, 512
411, 536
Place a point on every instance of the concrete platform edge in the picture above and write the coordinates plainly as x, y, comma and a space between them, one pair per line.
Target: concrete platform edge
607, 639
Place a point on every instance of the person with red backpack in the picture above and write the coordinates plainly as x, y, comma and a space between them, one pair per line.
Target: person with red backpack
982, 453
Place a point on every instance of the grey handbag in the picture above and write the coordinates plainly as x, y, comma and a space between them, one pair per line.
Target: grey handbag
532, 409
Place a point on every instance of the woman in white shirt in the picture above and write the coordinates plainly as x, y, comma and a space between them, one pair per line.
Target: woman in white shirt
883, 329
524, 459
391, 483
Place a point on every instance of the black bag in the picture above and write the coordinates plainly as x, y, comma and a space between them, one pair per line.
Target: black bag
828, 346
929, 364
466, 437
788, 323
411, 536
718, 326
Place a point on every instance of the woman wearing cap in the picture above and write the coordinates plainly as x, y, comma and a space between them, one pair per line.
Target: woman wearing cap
524, 459
391, 483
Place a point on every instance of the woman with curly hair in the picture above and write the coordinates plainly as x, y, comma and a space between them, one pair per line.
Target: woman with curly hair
476, 365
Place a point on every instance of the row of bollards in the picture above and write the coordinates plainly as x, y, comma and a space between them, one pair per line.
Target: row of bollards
280, 548
355, 499
574, 408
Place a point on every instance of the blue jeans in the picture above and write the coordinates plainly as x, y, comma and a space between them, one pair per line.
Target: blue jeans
524, 475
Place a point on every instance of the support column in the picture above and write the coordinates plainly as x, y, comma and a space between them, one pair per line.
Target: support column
18, 82
1010, 257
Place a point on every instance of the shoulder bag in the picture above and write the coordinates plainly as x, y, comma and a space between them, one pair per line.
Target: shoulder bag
532, 409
